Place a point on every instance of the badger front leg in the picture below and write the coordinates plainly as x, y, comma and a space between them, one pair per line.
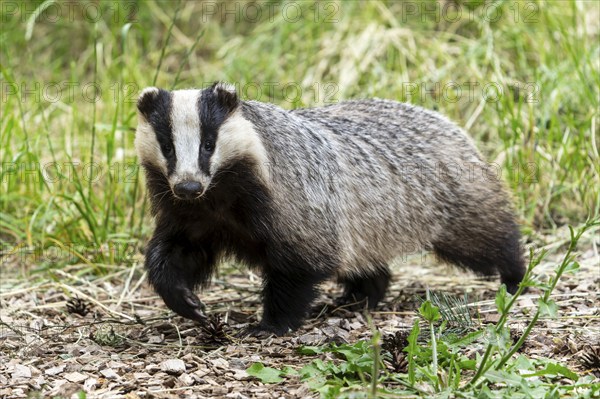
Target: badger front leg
175, 268
287, 298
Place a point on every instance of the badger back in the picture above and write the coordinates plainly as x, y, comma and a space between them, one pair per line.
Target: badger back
403, 174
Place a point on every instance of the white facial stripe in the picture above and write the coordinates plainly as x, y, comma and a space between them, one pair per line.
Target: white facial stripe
186, 133
147, 146
237, 138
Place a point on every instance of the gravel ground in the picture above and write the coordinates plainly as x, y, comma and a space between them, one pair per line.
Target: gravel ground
127, 345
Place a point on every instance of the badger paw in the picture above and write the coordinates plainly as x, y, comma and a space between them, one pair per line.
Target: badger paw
352, 302
262, 331
184, 302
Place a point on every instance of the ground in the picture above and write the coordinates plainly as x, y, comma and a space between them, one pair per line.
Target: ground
129, 345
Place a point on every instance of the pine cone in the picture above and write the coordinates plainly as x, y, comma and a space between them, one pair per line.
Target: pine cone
399, 340
590, 358
395, 359
78, 306
398, 362
215, 332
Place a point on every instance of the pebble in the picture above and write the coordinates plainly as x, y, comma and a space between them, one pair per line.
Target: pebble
75, 377
173, 366
141, 376
186, 380
109, 374
220, 363
21, 371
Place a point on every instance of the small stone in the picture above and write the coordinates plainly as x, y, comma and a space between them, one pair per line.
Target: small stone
152, 368
240, 375
73, 366
91, 368
310, 339
186, 380
39, 381
141, 376
173, 366
75, 377
237, 364
117, 365
90, 384
170, 382
109, 374
155, 339
346, 325
21, 371
354, 326
330, 331
220, 363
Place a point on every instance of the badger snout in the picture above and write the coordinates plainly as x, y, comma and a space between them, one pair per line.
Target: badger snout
188, 190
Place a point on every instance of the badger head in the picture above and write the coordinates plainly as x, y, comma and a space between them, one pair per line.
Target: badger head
188, 136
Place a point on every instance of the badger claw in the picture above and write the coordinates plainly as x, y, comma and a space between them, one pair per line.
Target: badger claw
192, 300
183, 301
195, 307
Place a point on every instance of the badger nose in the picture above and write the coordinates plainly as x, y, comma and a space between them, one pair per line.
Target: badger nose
188, 189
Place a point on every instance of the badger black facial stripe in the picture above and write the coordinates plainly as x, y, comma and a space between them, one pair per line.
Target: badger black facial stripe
186, 133
161, 122
215, 105
155, 136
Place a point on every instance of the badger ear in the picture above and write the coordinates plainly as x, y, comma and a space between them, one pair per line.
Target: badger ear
226, 96
146, 102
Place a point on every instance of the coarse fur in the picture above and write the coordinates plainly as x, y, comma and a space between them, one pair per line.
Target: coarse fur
311, 194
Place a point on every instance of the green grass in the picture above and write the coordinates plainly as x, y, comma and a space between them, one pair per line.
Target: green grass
536, 62
522, 77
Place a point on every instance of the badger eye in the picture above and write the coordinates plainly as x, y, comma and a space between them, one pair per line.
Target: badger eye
209, 145
168, 148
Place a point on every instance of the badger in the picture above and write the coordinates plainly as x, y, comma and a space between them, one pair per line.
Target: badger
306, 195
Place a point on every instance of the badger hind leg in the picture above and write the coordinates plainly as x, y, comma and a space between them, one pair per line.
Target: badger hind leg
486, 250
365, 290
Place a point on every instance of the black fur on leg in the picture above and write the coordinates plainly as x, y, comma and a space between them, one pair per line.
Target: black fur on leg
290, 285
488, 253
511, 263
175, 268
365, 290
287, 298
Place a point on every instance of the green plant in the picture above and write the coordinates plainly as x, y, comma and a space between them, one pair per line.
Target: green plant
106, 335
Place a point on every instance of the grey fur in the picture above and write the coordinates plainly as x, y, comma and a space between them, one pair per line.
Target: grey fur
371, 172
